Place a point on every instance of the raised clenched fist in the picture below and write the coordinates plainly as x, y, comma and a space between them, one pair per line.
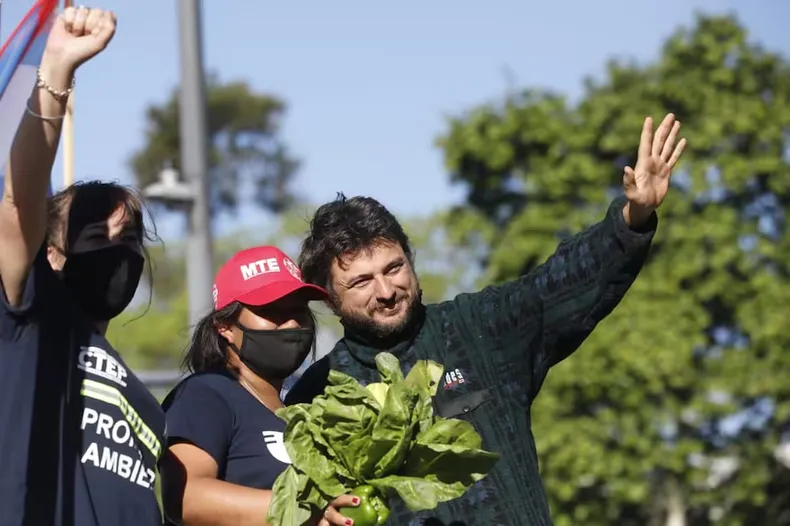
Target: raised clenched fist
79, 34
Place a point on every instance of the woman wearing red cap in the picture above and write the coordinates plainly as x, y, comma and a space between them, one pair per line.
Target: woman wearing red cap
225, 444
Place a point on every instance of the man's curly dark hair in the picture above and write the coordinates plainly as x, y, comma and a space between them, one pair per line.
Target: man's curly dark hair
346, 227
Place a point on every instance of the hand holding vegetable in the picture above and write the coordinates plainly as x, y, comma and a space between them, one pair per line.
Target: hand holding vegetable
346, 504
371, 509
375, 443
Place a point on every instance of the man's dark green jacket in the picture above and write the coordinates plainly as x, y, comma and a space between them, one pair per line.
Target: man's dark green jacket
497, 346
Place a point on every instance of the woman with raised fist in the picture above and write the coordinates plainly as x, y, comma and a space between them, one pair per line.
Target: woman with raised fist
80, 435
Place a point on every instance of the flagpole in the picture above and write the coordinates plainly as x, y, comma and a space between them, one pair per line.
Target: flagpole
68, 132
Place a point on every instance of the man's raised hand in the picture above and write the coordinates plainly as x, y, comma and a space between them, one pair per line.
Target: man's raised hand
646, 184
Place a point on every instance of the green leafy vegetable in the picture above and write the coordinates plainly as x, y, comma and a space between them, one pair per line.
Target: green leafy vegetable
376, 442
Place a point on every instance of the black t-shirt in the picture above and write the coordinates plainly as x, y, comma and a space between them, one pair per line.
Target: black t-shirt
79, 433
217, 414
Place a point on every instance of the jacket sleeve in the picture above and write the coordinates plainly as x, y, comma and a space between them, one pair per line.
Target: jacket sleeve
553, 309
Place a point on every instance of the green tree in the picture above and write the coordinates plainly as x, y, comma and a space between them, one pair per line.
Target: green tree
246, 157
675, 405
444, 266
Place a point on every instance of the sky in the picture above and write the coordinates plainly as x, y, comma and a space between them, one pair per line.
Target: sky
369, 85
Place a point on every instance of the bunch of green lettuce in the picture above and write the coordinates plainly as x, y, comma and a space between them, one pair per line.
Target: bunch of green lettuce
383, 436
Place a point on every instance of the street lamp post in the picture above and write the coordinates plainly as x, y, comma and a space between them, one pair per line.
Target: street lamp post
194, 160
180, 196
191, 194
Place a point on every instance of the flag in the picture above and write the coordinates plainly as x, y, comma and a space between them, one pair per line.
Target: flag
20, 57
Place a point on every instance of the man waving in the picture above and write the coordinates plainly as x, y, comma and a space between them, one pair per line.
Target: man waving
497, 344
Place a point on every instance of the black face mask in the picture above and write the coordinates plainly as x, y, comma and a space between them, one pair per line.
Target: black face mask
103, 275
275, 355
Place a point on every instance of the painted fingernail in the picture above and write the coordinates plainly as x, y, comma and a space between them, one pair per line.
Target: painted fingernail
355, 500
349, 522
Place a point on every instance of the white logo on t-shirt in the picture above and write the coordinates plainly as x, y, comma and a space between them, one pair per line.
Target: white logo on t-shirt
275, 445
97, 361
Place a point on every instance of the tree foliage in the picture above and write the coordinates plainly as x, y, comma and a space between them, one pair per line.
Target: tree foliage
675, 406
247, 156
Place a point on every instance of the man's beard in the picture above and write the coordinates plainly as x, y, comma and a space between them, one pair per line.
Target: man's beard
368, 328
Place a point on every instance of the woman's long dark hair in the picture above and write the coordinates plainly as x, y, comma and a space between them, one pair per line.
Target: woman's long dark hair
208, 350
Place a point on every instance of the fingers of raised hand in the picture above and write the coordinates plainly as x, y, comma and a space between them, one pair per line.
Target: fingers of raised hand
670, 151
94, 24
75, 19
80, 21
669, 144
105, 26
676, 153
646, 141
662, 133
663, 146
68, 16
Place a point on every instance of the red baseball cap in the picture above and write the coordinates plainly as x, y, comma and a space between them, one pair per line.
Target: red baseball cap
258, 276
